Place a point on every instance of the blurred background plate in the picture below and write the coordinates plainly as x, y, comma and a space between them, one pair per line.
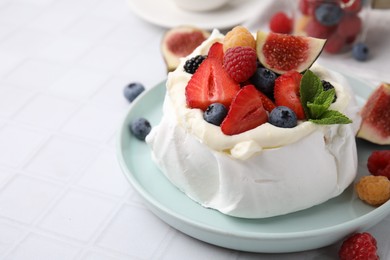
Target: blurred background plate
165, 13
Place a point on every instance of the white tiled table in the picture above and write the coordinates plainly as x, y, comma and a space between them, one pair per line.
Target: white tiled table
63, 65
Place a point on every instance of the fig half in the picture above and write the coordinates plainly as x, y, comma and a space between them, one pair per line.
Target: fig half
283, 52
179, 42
375, 126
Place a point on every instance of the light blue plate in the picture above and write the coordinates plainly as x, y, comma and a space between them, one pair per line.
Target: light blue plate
312, 228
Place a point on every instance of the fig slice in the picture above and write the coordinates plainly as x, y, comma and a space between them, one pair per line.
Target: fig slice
283, 52
375, 126
178, 42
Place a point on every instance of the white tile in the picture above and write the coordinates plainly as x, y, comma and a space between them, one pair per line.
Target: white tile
97, 256
26, 41
106, 58
9, 61
115, 10
61, 158
36, 74
64, 49
9, 235
24, 198
17, 143
90, 28
12, 100
112, 93
78, 83
54, 20
46, 112
185, 247
5, 176
6, 29
105, 175
94, 122
135, 232
39, 247
18, 13
78, 215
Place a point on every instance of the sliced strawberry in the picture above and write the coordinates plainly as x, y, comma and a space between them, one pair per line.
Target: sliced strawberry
210, 84
286, 92
216, 51
268, 104
245, 113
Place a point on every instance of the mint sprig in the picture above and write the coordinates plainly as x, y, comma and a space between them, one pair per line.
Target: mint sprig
316, 101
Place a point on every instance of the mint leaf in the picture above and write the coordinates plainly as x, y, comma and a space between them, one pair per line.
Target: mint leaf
332, 117
316, 110
325, 98
310, 88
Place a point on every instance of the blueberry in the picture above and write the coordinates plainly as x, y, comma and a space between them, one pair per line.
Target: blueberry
282, 116
264, 80
360, 51
326, 86
215, 114
140, 128
329, 14
132, 90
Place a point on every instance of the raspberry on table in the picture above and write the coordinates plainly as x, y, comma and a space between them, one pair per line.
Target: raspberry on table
359, 246
378, 163
240, 63
239, 36
374, 190
281, 23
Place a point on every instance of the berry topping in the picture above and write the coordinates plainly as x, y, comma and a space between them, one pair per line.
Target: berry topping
264, 80
240, 63
359, 246
360, 51
326, 86
378, 163
215, 114
268, 104
281, 23
192, 64
140, 128
328, 14
286, 92
374, 190
216, 52
133, 90
239, 36
282, 116
245, 113
318, 30
210, 84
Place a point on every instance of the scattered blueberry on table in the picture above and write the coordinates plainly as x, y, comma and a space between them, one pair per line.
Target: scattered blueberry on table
132, 90
360, 51
140, 128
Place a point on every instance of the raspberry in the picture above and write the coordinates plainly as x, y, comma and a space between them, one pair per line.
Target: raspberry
239, 36
359, 246
192, 64
374, 190
281, 23
240, 63
379, 163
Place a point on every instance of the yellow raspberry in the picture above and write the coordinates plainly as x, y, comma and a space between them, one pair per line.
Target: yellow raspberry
239, 36
374, 190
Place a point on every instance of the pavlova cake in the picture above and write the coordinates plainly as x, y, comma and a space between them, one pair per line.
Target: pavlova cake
252, 128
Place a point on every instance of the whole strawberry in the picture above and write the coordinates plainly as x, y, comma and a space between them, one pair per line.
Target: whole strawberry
359, 246
240, 63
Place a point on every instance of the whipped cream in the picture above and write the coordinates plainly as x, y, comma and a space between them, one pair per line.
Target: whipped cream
263, 172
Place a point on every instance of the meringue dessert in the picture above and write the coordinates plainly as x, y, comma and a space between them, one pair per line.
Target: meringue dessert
261, 172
